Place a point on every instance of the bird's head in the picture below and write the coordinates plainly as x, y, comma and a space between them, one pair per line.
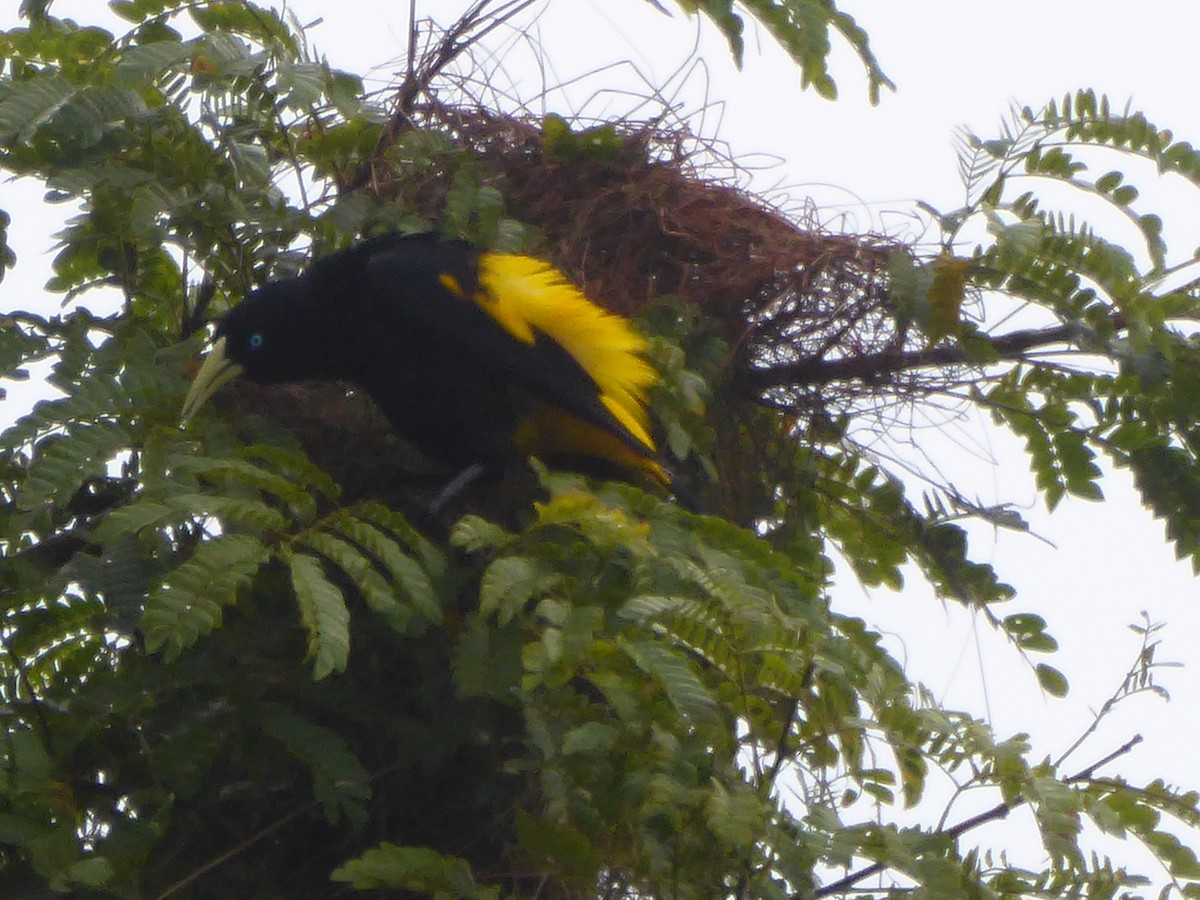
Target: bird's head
275, 335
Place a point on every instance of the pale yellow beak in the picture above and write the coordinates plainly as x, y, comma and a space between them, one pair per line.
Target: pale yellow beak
217, 371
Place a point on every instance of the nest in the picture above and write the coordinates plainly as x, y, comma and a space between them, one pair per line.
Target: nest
640, 222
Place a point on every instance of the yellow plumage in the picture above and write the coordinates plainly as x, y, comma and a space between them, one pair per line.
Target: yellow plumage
526, 295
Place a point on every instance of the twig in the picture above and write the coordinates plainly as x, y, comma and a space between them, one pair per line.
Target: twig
470, 28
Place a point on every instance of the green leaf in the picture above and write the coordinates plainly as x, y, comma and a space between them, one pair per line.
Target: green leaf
144, 63
133, 518
28, 760
416, 869
129, 10
93, 872
188, 603
292, 465
487, 661
558, 141
409, 575
591, 737
1053, 682
246, 473
228, 509
509, 583
340, 782
737, 816
374, 587
254, 21
474, 534
30, 103
65, 464
323, 613
802, 27
302, 84
1107, 182
459, 208
683, 687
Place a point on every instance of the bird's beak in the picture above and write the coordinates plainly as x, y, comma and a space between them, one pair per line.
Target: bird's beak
217, 371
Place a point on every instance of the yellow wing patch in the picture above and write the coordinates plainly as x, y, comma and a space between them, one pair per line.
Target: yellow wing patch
525, 295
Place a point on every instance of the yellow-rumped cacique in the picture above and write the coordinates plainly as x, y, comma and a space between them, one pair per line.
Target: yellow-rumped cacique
473, 357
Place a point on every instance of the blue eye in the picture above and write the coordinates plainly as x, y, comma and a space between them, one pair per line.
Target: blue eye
255, 340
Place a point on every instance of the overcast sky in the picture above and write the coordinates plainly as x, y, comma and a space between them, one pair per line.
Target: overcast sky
955, 63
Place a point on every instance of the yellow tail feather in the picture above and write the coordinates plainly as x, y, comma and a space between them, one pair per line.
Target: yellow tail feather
548, 431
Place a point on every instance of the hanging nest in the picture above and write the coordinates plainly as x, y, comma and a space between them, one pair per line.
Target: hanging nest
637, 220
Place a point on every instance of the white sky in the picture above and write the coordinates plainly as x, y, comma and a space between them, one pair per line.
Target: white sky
954, 62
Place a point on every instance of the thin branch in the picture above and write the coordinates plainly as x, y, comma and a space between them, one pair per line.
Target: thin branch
266, 831
229, 854
1142, 664
782, 751
410, 69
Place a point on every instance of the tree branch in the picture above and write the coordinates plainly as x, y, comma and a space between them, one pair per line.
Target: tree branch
999, 811
815, 371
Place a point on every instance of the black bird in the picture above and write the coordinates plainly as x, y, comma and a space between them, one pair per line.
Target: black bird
473, 357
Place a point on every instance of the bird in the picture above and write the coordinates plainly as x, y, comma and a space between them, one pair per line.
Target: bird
473, 357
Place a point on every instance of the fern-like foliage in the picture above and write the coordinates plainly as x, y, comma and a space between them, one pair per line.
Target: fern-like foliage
1126, 310
228, 667
802, 27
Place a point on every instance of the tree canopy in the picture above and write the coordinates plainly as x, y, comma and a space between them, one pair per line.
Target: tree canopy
238, 658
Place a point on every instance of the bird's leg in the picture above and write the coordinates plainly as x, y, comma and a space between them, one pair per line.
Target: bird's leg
456, 486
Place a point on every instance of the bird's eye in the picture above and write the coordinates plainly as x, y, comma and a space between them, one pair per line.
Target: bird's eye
255, 340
